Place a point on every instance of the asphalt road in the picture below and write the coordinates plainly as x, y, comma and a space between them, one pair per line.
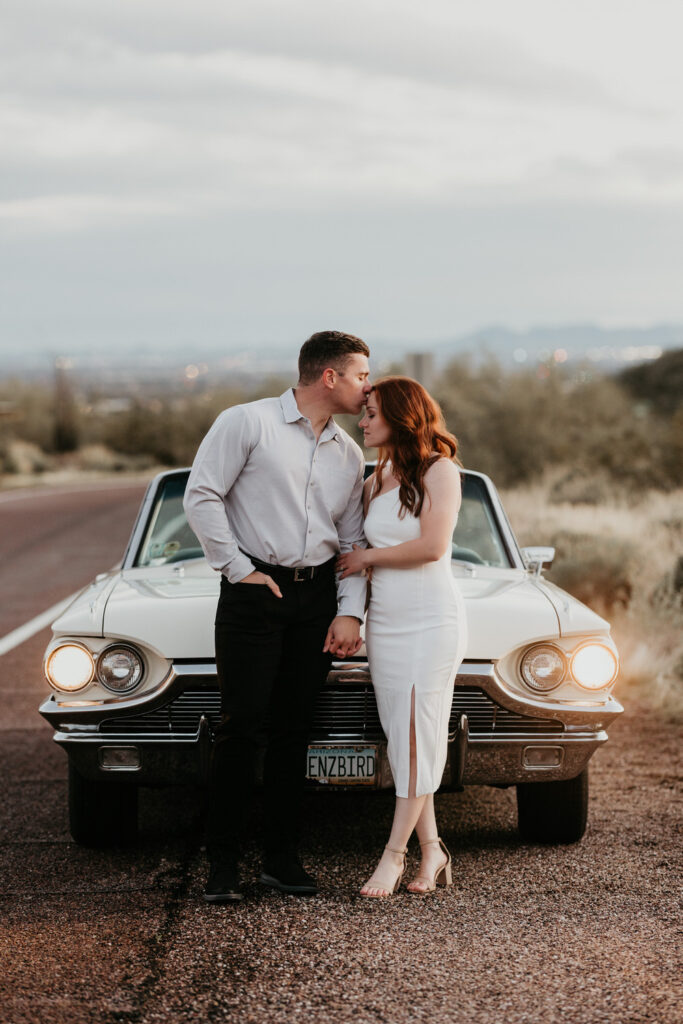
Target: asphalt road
583, 933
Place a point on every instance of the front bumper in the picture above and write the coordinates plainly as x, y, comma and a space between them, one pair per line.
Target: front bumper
167, 735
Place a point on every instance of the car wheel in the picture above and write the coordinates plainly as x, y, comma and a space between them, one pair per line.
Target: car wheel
553, 812
102, 813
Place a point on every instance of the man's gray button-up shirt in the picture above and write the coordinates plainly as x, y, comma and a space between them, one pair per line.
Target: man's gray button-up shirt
262, 484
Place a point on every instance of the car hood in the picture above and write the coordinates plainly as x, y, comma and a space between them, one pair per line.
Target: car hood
172, 610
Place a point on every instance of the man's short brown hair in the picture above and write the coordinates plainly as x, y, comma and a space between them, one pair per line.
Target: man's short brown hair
327, 348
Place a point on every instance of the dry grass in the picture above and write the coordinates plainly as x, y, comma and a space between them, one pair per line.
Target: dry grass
626, 561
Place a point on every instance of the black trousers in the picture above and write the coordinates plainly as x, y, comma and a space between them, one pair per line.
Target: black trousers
271, 665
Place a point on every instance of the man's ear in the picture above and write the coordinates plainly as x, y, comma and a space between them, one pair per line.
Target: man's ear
329, 377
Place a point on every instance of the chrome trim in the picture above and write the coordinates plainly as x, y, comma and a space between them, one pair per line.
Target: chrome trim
140, 524
200, 668
482, 674
539, 739
502, 740
98, 739
569, 712
486, 762
100, 707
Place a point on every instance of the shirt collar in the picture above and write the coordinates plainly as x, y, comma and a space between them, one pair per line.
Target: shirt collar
292, 414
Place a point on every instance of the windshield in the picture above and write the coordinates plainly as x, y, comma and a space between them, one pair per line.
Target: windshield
169, 538
477, 537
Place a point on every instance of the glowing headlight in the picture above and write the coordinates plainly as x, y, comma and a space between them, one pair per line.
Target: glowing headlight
69, 668
594, 666
120, 669
543, 667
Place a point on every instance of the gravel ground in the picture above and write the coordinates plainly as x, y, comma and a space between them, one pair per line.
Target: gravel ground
582, 933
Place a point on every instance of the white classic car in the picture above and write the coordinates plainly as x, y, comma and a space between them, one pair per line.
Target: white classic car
136, 698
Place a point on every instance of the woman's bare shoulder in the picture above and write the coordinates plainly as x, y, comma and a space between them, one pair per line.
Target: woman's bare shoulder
442, 469
442, 481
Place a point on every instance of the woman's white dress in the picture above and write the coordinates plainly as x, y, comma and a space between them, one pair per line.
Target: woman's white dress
415, 635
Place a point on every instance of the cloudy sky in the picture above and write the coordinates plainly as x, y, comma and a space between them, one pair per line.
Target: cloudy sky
205, 173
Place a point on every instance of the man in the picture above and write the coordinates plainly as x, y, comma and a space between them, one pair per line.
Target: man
274, 494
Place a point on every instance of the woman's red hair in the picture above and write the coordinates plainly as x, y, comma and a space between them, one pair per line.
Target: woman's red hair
418, 437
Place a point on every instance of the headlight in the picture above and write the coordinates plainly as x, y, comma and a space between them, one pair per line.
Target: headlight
69, 668
594, 666
120, 668
543, 667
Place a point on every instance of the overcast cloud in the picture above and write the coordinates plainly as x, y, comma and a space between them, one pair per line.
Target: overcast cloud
187, 170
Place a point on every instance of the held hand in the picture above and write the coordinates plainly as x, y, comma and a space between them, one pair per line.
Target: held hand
263, 580
352, 562
343, 637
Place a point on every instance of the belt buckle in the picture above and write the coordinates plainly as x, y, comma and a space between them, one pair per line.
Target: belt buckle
302, 573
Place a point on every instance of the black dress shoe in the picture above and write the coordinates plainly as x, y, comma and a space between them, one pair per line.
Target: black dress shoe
223, 885
285, 873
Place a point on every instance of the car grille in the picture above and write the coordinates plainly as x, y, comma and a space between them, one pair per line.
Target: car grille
342, 712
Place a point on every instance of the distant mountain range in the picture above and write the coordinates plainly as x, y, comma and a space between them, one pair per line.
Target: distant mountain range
614, 347
610, 348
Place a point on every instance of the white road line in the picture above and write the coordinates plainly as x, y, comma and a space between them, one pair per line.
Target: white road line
24, 494
29, 629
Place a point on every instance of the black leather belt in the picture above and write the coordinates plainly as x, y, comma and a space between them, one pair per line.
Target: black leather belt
298, 574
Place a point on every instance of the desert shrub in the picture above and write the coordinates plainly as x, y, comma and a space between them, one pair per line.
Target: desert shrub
668, 593
515, 425
578, 487
169, 427
25, 458
650, 644
659, 383
599, 571
671, 443
96, 458
33, 417
506, 423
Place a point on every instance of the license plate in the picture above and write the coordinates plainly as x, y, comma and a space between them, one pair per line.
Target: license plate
342, 766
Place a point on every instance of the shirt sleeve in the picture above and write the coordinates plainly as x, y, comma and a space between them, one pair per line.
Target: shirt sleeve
219, 461
351, 591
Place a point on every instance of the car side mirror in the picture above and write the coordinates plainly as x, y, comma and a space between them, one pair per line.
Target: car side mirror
538, 558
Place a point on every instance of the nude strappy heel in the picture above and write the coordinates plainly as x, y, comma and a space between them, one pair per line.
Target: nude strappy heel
444, 875
388, 891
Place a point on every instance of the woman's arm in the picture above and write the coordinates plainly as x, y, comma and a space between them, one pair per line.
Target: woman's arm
367, 491
442, 501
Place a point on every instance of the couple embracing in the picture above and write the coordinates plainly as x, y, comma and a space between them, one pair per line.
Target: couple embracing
277, 499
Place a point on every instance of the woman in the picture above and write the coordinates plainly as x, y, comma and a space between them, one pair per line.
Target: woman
415, 631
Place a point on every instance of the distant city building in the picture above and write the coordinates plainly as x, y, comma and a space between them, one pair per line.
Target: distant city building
420, 366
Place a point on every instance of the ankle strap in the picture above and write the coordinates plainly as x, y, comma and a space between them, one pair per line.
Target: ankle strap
430, 842
392, 850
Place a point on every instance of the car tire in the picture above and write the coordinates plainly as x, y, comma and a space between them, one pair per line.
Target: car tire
102, 813
553, 812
